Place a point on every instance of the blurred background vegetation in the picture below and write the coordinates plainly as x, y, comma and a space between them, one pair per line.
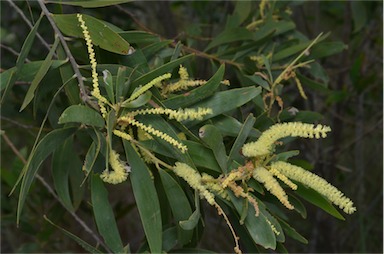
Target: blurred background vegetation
351, 158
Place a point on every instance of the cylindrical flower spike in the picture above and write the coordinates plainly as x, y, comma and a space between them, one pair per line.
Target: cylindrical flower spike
264, 176
317, 183
120, 170
265, 144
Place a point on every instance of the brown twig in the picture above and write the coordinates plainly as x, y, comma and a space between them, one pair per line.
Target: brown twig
52, 192
83, 94
13, 51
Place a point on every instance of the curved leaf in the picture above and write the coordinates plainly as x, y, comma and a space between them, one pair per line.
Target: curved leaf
105, 219
146, 199
102, 35
179, 204
45, 147
81, 114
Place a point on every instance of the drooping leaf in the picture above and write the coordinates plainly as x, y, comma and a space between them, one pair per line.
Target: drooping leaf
197, 94
225, 101
39, 75
291, 232
101, 34
81, 114
104, 216
146, 199
45, 147
179, 204
86, 246
191, 222
213, 138
235, 154
318, 200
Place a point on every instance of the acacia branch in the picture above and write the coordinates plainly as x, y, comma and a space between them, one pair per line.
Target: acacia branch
52, 192
84, 96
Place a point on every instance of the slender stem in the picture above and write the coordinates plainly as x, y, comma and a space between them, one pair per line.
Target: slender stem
52, 192
18, 10
72, 60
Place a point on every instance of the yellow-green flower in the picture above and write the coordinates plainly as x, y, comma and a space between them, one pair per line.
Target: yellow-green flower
193, 178
265, 177
317, 183
265, 144
120, 170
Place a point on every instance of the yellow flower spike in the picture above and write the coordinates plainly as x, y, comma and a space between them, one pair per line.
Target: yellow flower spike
122, 135
96, 92
193, 178
148, 86
183, 73
317, 183
233, 176
283, 178
265, 144
154, 132
120, 170
265, 177
273, 227
213, 185
300, 88
178, 115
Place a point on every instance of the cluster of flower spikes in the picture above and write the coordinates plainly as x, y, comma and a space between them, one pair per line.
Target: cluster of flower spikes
183, 83
120, 170
265, 173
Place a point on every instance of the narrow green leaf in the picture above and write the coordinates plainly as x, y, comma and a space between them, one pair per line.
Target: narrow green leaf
230, 126
62, 162
45, 147
197, 94
257, 226
179, 205
225, 101
213, 138
312, 84
139, 37
39, 75
291, 232
318, 200
146, 199
235, 154
230, 35
140, 101
22, 56
81, 114
90, 4
285, 155
104, 217
108, 85
86, 246
159, 71
169, 239
177, 50
359, 15
298, 205
327, 49
257, 80
192, 221
102, 35
202, 156
120, 86
66, 72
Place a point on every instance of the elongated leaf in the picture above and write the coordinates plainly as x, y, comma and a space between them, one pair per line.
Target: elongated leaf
327, 49
62, 163
159, 71
230, 126
291, 232
22, 56
235, 154
80, 241
104, 217
318, 200
257, 226
45, 147
197, 94
81, 114
192, 221
213, 138
231, 35
66, 72
90, 3
146, 199
102, 35
140, 101
39, 75
222, 102
169, 238
202, 156
139, 37
179, 204
108, 85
